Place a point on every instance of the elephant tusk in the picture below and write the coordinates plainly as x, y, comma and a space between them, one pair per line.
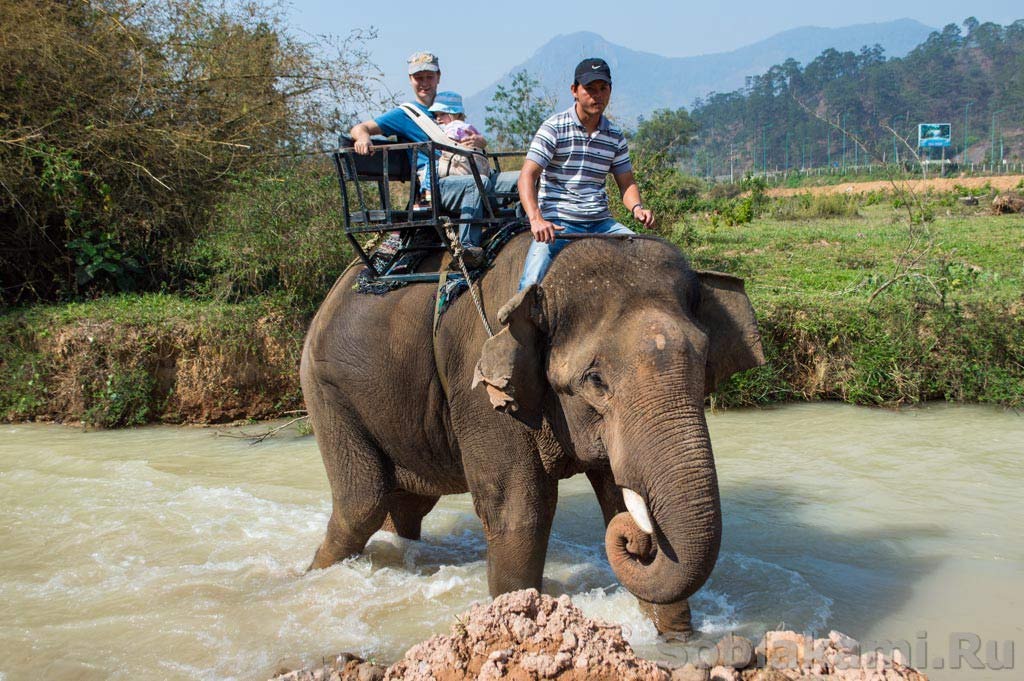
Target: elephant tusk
638, 510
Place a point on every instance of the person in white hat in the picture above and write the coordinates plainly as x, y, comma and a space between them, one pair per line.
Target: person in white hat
456, 192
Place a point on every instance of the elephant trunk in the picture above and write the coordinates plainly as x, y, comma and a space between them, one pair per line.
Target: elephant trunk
671, 467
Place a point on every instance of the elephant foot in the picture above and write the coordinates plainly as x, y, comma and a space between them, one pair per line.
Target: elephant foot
337, 545
326, 556
672, 620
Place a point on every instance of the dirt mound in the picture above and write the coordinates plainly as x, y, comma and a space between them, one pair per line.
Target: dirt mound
526, 635
938, 184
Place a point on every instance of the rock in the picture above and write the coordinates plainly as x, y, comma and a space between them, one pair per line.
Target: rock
689, 672
782, 649
736, 652
523, 628
368, 671
844, 643
720, 673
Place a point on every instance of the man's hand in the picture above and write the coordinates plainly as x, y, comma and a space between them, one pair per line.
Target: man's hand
360, 134
544, 231
645, 216
362, 145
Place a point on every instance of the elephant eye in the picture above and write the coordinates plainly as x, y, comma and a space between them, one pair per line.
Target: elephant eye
593, 379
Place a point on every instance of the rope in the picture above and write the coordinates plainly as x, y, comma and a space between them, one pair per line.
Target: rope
456, 248
445, 259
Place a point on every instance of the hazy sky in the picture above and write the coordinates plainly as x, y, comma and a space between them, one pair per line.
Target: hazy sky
479, 41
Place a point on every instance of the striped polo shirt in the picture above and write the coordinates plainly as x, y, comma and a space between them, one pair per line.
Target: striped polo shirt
575, 165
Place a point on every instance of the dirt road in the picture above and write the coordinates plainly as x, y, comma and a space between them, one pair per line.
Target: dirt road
940, 184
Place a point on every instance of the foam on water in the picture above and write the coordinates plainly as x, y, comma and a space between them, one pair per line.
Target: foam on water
167, 549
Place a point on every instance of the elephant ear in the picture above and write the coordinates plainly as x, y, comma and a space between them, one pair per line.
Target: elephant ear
510, 366
734, 341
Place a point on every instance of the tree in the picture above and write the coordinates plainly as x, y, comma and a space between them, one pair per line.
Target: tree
518, 111
665, 131
122, 122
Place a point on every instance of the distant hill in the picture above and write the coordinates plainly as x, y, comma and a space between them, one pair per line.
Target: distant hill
968, 75
645, 82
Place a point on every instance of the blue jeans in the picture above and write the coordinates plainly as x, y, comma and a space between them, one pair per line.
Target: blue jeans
459, 192
540, 255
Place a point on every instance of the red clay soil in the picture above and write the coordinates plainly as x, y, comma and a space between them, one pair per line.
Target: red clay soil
525, 635
939, 184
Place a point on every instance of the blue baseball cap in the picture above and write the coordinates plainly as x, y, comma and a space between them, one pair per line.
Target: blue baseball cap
447, 102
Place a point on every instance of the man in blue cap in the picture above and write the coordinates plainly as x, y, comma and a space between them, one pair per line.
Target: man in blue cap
456, 193
572, 154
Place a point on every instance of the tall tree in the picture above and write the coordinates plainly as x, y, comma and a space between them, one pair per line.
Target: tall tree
121, 120
518, 110
666, 131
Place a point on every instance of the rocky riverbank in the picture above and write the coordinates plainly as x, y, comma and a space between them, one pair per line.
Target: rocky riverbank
527, 635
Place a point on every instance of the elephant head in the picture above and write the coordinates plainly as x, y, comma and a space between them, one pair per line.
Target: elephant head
618, 350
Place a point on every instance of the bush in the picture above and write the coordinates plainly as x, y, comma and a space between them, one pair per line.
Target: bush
816, 206
124, 120
728, 190
273, 234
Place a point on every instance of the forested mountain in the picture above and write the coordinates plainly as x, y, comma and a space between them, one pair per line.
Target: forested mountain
645, 81
970, 77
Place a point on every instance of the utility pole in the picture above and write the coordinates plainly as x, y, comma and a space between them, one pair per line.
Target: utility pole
967, 107
828, 147
711, 139
992, 149
732, 177
764, 151
895, 149
844, 142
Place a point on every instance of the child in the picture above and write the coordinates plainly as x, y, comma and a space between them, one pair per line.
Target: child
450, 115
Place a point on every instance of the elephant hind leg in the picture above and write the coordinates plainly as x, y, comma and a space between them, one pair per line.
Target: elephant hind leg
343, 540
405, 513
359, 483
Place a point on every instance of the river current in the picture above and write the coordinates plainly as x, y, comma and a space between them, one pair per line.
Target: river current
174, 553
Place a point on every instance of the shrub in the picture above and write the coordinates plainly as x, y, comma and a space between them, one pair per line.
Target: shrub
124, 120
816, 206
273, 234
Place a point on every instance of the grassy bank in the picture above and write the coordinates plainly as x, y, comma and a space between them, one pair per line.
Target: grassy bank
871, 309
129, 360
856, 302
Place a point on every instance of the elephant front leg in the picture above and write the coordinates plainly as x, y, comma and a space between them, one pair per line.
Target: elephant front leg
517, 525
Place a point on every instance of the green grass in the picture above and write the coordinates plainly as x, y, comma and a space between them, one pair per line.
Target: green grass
874, 310
968, 259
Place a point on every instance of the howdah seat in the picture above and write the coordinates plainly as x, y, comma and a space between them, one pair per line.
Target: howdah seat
381, 194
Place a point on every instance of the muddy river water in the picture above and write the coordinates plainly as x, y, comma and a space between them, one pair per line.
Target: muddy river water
172, 553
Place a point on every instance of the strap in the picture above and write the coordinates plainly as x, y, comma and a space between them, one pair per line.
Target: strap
426, 124
433, 130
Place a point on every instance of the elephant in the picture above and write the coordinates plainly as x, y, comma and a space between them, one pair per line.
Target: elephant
602, 369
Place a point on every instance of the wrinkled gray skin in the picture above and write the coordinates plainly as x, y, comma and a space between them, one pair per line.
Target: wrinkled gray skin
603, 370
